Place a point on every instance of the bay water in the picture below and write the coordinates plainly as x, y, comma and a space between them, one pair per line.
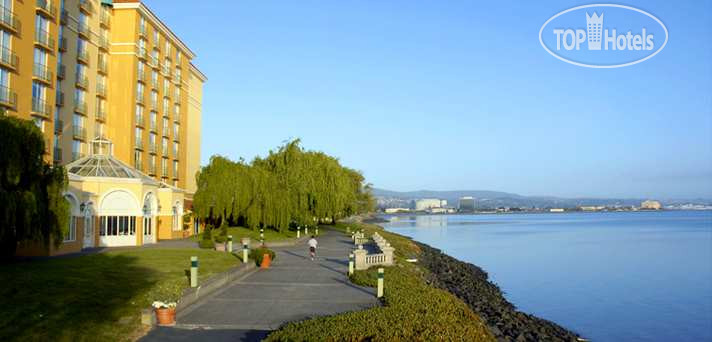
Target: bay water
609, 276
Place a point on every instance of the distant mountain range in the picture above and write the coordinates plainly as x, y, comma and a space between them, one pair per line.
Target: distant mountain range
495, 199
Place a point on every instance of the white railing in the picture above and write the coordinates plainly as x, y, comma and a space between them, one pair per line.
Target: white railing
363, 260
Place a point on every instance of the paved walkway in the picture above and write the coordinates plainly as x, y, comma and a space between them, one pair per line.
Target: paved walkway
294, 288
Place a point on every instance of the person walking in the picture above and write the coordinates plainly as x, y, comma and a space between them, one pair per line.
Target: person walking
312, 247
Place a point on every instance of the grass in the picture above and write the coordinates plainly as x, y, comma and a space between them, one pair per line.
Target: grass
240, 232
412, 310
95, 297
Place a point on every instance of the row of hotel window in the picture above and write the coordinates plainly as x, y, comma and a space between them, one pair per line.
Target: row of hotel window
109, 226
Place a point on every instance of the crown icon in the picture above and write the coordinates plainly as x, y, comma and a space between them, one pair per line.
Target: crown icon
594, 26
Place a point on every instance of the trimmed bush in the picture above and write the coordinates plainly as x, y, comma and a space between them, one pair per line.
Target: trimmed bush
207, 239
258, 253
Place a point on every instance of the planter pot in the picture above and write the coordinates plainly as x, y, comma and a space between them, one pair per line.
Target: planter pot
166, 316
220, 246
266, 261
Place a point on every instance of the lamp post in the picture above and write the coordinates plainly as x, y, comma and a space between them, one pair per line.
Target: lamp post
262, 236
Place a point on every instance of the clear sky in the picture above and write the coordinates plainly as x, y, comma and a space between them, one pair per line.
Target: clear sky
454, 95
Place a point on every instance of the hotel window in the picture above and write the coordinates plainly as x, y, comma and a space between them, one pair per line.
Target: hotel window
175, 168
176, 112
41, 25
81, 46
164, 166
166, 87
176, 130
154, 99
153, 120
5, 40
177, 93
142, 23
100, 130
139, 114
80, 71
139, 136
166, 106
137, 159
117, 225
142, 45
175, 150
139, 92
141, 68
72, 232
164, 147
156, 38
168, 49
77, 149
165, 126
154, 78
77, 120
152, 163
152, 140
79, 96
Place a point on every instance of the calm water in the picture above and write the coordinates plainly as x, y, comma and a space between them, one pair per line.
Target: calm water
637, 276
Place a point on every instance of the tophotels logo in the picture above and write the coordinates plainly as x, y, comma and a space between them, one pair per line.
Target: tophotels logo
636, 36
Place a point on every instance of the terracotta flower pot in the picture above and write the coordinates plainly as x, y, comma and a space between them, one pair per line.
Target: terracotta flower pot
266, 261
166, 316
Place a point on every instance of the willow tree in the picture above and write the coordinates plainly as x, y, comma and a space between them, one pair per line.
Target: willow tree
289, 186
33, 208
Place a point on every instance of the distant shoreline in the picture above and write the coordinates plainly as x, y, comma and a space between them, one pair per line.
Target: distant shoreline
519, 212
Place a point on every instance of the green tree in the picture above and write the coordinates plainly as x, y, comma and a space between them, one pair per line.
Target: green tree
33, 207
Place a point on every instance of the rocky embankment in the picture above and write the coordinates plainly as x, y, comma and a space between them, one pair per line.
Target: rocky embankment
469, 283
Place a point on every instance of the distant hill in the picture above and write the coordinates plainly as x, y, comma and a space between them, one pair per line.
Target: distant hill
494, 199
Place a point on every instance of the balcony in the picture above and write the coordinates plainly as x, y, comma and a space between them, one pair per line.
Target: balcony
46, 8
105, 19
165, 132
167, 71
101, 90
104, 43
141, 52
154, 83
177, 79
142, 31
151, 170
152, 148
9, 21
86, 6
139, 120
176, 117
138, 144
139, 99
43, 40
141, 76
82, 82
101, 115
83, 30
41, 108
8, 98
63, 17
8, 58
102, 66
61, 72
57, 155
153, 62
77, 155
164, 172
80, 108
83, 56
41, 73
59, 100
58, 126
138, 164
152, 126
176, 137
62, 45
175, 174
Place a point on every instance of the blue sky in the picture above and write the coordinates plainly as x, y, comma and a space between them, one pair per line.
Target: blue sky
447, 95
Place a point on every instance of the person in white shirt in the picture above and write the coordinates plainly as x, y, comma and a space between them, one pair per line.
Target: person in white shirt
312, 247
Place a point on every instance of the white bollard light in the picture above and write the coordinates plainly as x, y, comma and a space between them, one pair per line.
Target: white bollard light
380, 283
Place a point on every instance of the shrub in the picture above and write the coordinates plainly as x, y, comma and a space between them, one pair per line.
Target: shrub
207, 239
258, 253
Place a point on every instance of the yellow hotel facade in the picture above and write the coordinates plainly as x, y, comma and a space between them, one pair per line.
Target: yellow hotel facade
119, 102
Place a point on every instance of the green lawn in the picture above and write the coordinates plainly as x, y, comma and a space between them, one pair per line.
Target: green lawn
95, 297
270, 234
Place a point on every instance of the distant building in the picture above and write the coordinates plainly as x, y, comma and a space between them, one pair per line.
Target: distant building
396, 210
593, 208
651, 205
427, 203
466, 203
556, 210
443, 203
441, 210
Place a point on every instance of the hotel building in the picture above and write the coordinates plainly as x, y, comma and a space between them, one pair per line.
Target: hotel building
115, 93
